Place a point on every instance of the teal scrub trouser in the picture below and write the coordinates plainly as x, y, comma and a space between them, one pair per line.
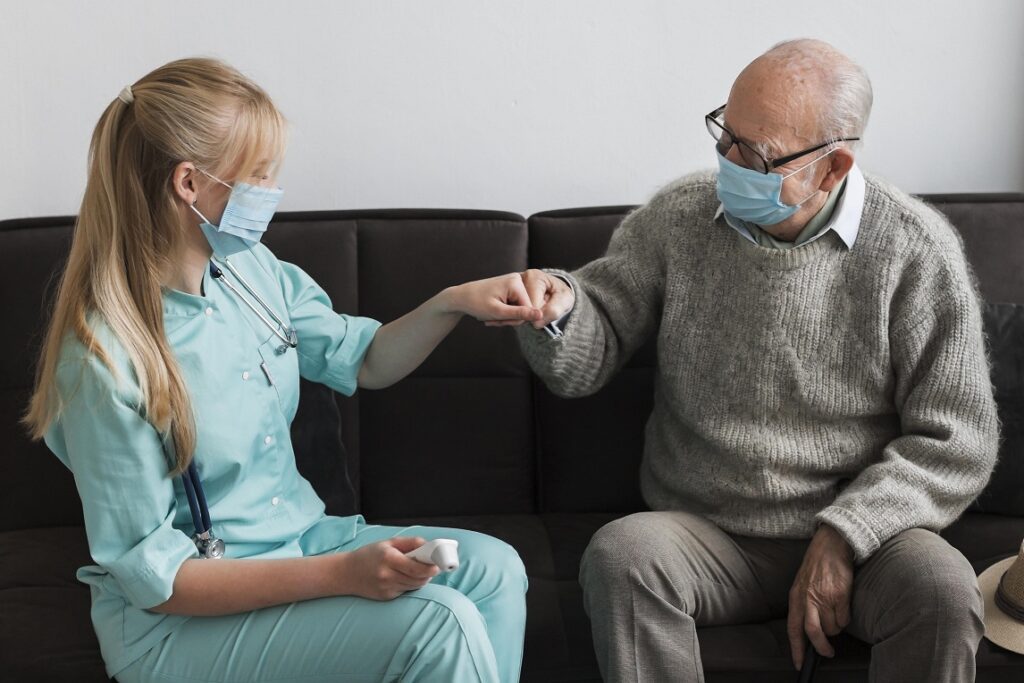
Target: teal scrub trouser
464, 626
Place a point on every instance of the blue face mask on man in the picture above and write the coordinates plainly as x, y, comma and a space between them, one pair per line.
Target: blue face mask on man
245, 218
756, 197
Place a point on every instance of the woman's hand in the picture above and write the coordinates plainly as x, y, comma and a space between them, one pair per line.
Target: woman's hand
399, 347
501, 300
381, 571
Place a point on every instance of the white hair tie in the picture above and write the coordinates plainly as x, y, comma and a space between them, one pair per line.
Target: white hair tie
126, 95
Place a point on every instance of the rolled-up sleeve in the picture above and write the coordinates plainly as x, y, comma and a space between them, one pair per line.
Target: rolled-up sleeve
332, 345
121, 474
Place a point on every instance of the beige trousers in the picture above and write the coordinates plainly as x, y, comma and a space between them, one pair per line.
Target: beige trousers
650, 579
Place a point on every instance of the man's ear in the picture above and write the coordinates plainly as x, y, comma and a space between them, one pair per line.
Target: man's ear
183, 180
842, 162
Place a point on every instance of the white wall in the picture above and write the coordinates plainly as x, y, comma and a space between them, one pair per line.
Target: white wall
521, 106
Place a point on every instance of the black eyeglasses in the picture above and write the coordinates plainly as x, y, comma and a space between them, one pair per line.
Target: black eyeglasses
725, 139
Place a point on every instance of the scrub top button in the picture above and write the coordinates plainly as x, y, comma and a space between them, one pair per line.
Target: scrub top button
267, 439
245, 375
209, 311
275, 500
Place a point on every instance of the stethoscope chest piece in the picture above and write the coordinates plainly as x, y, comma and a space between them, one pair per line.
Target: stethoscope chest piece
209, 546
293, 340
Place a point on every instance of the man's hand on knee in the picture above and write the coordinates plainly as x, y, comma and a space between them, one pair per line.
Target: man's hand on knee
819, 601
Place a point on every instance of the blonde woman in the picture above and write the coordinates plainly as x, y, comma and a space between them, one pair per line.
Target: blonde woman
175, 349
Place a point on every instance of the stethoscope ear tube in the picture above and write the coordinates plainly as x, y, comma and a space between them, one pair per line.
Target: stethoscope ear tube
197, 500
289, 336
208, 545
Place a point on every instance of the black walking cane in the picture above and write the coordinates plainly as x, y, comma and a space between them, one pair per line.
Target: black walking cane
810, 664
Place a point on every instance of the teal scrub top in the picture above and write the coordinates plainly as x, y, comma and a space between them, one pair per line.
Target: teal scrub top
244, 395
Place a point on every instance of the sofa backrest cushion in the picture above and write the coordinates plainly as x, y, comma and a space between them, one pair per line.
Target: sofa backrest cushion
325, 246
992, 226
1004, 328
589, 448
38, 489
470, 431
457, 436
32, 256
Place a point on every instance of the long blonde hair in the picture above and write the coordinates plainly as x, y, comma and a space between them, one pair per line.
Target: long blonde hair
129, 228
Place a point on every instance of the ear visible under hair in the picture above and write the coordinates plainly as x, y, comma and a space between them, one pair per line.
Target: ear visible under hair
183, 181
841, 161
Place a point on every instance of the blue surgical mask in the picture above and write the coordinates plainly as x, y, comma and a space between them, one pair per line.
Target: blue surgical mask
756, 197
245, 218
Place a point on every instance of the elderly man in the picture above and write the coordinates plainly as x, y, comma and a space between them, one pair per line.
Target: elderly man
822, 400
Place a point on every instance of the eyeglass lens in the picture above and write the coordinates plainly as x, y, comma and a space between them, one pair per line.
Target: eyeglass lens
724, 142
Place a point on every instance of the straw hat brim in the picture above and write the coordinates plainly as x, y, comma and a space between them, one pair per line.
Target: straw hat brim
1000, 628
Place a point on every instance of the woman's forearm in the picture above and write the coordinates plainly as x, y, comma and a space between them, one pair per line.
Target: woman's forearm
399, 347
215, 587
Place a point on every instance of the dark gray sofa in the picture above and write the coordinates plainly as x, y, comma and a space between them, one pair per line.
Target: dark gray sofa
468, 440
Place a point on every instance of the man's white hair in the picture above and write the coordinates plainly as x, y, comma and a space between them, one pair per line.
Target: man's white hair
846, 96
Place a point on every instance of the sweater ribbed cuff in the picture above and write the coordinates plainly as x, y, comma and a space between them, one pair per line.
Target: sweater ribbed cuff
564, 362
534, 338
853, 529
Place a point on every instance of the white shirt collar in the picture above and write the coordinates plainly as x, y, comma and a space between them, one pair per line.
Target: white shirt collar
845, 220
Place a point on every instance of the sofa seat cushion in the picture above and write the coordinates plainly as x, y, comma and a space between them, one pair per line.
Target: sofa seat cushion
44, 610
731, 653
985, 539
558, 643
558, 630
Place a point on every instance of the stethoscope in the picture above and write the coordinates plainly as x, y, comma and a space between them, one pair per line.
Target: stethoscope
289, 336
210, 546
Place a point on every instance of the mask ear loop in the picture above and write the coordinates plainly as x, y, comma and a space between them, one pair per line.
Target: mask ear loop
207, 173
807, 165
198, 212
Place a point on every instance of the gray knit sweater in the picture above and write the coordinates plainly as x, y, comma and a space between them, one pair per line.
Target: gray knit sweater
818, 384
